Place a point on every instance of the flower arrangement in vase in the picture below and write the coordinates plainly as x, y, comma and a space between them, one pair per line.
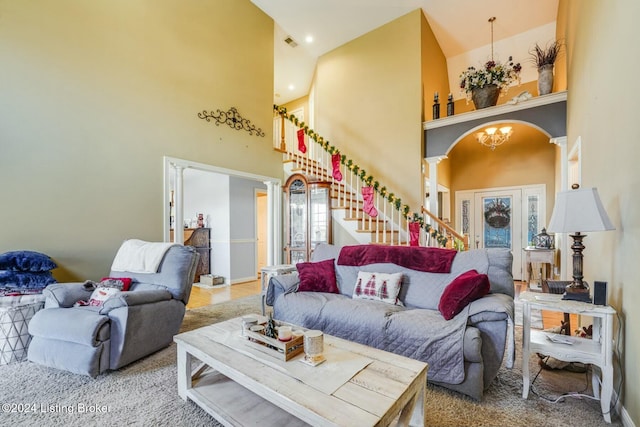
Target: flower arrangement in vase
484, 85
544, 59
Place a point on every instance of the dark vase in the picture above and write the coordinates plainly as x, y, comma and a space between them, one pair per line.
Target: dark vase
486, 96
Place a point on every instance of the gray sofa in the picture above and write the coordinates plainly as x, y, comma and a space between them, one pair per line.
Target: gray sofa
464, 353
91, 340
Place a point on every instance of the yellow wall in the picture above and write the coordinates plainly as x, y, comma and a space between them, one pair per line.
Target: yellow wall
434, 71
95, 93
461, 105
560, 67
302, 102
368, 100
603, 110
526, 159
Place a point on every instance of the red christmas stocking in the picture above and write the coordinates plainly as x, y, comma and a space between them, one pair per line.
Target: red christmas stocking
414, 234
335, 162
301, 146
367, 196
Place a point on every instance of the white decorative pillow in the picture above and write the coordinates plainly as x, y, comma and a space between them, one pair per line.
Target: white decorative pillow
101, 294
383, 287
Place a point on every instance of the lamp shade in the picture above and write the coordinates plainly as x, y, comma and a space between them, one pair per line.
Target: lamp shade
579, 211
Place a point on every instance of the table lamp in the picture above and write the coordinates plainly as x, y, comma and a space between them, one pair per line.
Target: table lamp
577, 211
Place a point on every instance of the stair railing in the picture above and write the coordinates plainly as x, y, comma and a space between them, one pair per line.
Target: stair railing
456, 240
392, 224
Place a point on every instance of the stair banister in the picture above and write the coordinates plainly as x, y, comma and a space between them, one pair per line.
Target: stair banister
462, 238
321, 168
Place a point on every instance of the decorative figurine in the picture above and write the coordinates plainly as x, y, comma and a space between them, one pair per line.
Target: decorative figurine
450, 107
436, 107
270, 328
543, 240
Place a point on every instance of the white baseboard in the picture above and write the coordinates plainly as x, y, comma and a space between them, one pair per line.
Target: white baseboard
625, 417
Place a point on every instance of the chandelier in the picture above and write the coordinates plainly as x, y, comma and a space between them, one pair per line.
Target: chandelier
492, 137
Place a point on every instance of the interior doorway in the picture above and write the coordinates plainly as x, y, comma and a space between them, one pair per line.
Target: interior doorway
232, 216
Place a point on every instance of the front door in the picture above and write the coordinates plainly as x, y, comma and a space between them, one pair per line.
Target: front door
498, 223
506, 217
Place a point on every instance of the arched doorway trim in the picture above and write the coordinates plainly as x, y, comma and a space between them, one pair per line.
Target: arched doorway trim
547, 113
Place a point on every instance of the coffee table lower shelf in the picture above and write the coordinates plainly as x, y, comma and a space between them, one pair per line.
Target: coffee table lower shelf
234, 405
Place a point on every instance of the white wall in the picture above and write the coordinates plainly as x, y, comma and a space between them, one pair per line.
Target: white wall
208, 193
243, 239
228, 206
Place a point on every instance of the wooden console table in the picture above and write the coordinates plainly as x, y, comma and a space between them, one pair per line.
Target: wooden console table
542, 256
199, 238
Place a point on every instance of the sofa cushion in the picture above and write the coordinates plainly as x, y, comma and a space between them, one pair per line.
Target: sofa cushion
317, 276
465, 288
26, 261
378, 286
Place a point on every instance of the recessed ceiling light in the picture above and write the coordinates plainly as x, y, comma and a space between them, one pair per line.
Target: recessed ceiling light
291, 87
309, 39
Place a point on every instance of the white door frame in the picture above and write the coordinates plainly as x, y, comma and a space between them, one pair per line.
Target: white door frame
174, 166
259, 193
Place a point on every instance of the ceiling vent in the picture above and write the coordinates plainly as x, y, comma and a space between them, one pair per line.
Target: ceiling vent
291, 42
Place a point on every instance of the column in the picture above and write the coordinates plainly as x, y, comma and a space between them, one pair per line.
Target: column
562, 242
178, 236
274, 229
433, 183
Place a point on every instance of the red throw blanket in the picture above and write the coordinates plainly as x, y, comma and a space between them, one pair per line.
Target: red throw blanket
430, 260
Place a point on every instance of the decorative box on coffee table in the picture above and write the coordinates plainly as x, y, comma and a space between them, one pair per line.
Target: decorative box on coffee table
283, 350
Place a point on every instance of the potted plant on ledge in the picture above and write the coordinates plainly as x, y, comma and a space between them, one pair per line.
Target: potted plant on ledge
484, 85
544, 59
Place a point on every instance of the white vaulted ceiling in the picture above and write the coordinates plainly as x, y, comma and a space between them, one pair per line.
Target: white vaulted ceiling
460, 26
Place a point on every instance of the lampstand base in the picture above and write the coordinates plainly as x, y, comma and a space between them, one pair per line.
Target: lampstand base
576, 294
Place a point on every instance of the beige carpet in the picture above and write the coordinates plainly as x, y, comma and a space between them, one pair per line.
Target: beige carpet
144, 393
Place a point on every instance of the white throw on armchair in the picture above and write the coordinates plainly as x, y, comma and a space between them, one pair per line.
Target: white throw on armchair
128, 326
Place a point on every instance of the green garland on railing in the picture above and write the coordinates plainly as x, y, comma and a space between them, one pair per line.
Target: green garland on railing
362, 174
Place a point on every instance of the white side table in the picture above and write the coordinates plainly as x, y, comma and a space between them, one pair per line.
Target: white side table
597, 351
266, 273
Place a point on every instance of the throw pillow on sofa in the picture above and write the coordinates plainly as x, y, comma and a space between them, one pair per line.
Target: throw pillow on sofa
317, 276
463, 290
122, 283
101, 294
105, 289
383, 287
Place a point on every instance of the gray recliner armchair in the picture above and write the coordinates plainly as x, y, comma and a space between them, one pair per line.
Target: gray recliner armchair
128, 326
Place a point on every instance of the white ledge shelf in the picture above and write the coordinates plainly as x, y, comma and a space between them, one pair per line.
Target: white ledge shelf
489, 112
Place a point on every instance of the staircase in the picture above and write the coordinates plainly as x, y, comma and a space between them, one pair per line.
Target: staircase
395, 221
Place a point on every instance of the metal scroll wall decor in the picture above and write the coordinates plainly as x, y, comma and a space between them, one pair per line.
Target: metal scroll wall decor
232, 118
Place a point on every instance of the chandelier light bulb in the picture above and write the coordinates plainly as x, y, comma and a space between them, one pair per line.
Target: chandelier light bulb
491, 138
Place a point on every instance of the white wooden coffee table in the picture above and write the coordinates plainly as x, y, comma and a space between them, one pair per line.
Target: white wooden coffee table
356, 386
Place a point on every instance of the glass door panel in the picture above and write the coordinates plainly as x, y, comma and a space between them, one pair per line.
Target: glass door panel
319, 215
